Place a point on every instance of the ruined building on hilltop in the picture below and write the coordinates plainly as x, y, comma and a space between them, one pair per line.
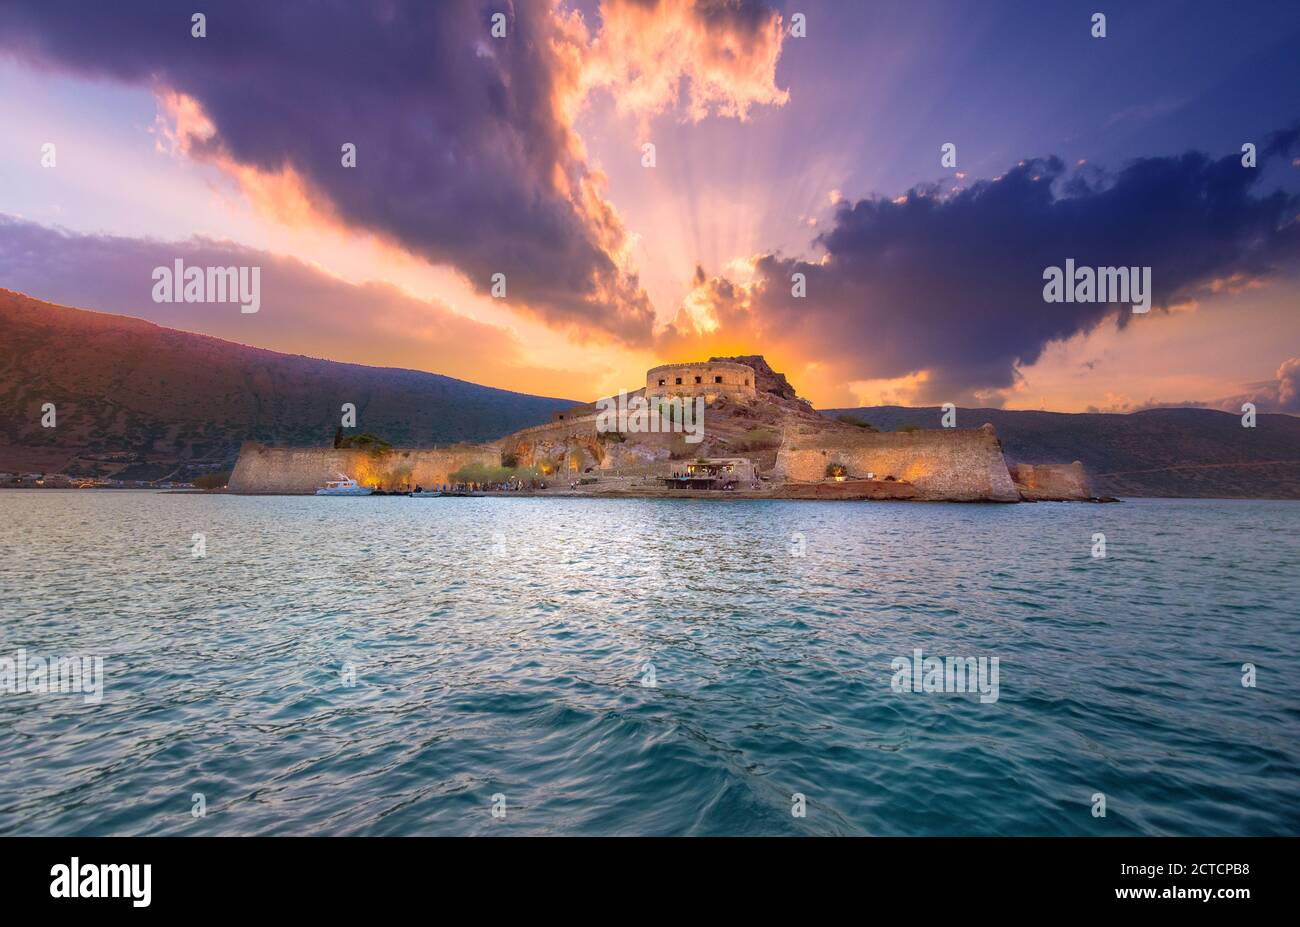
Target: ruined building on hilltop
756, 436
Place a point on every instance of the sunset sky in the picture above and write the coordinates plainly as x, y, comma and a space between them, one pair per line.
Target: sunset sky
773, 154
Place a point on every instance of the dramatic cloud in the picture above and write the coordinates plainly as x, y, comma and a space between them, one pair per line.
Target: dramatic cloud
303, 310
946, 292
720, 55
465, 152
1281, 394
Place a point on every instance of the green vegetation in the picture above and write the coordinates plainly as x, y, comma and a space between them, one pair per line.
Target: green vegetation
510, 461
487, 473
401, 476
836, 470
212, 480
757, 439
376, 445
848, 418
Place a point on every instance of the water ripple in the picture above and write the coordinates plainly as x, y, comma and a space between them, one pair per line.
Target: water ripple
502, 646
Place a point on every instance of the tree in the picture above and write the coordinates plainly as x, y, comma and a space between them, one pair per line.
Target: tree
366, 442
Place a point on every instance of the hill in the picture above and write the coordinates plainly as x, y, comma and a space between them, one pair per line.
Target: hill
135, 400
138, 401
1158, 452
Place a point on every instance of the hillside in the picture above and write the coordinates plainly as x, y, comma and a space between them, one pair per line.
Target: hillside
1159, 452
139, 401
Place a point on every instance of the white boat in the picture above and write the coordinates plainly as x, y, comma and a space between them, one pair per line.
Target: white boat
425, 495
343, 486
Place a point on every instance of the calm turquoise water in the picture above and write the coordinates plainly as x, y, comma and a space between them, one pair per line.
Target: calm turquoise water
500, 645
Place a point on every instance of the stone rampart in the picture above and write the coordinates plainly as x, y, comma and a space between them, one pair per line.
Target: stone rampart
953, 464
264, 469
1052, 482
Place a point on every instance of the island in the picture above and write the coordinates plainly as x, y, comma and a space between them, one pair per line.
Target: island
728, 427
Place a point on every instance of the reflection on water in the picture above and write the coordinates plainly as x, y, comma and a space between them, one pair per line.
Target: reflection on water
386, 666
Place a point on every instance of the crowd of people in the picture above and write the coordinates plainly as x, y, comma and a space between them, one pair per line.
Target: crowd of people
473, 486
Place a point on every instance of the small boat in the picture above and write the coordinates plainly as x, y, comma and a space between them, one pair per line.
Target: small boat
343, 486
425, 495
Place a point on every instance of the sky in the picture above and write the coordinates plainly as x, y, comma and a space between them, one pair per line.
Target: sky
800, 140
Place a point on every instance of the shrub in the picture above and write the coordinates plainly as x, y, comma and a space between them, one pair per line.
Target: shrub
757, 439
908, 429
849, 418
212, 480
487, 473
376, 445
836, 470
680, 449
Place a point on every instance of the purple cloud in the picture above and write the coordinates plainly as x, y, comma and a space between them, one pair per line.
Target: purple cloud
953, 284
302, 309
463, 155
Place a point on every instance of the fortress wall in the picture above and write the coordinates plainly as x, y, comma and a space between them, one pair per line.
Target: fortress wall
565, 448
583, 426
556, 443
304, 469
958, 464
718, 378
1052, 481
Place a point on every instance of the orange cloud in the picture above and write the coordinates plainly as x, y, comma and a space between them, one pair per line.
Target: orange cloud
721, 57
184, 129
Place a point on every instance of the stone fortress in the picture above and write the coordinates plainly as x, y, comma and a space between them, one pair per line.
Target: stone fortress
752, 414
709, 379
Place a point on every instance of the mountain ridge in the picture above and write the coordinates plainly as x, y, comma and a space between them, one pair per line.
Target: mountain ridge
137, 400
1171, 452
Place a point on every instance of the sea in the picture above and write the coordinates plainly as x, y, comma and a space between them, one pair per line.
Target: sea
585, 666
